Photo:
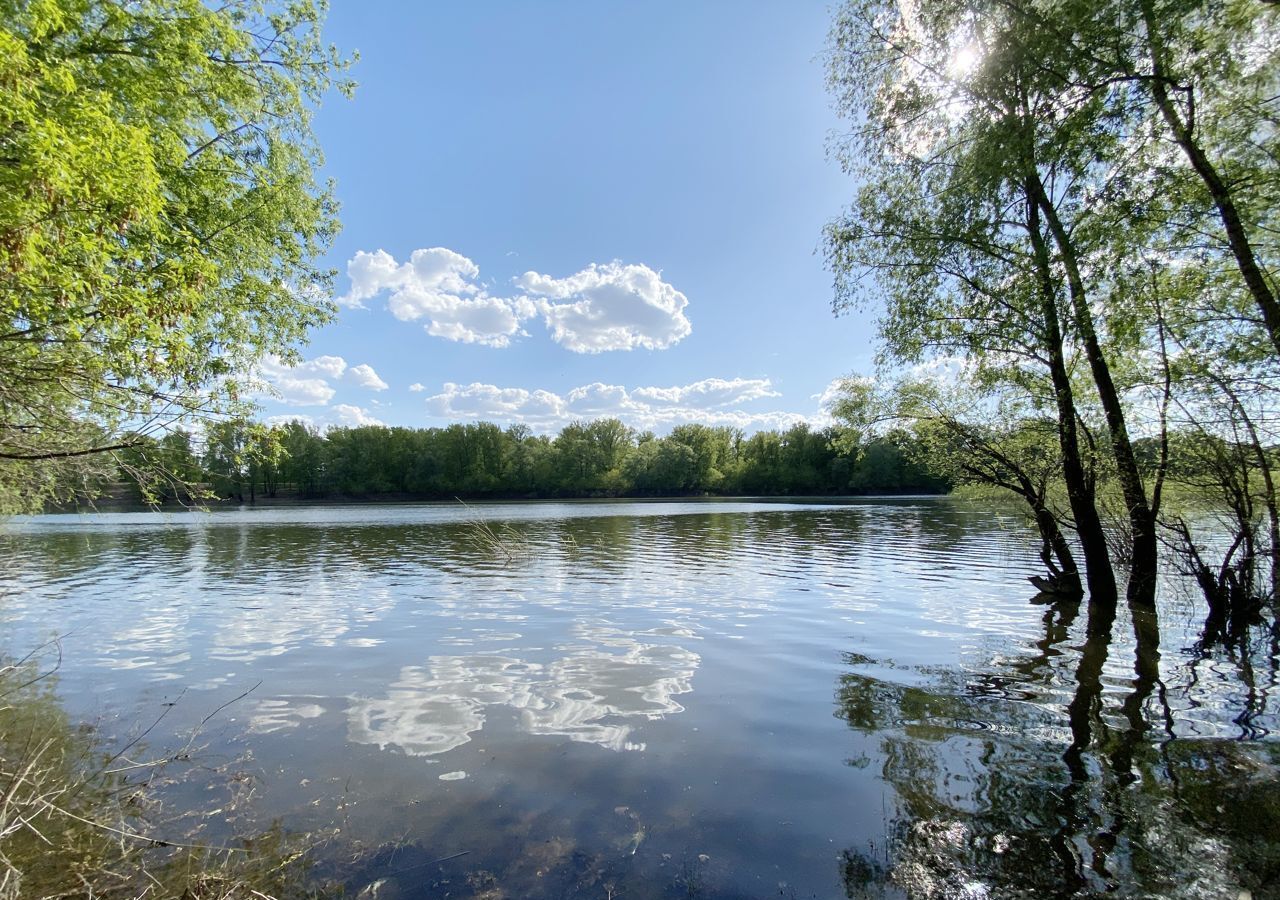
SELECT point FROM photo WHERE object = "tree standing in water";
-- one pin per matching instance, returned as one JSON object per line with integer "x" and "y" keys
{"x": 1038, "y": 186}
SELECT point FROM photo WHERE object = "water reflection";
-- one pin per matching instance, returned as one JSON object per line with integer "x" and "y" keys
{"x": 426, "y": 685}
{"x": 592, "y": 694}
{"x": 1004, "y": 790}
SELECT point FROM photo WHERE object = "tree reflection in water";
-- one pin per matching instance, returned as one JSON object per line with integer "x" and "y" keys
{"x": 1047, "y": 776}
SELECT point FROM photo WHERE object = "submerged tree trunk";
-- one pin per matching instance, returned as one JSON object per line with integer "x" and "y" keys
{"x": 1142, "y": 576}
{"x": 1006, "y": 473}
{"x": 1146, "y": 671}
{"x": 1080, "y": 492}
{"x": 1259, "y": 453}
{"x": 1084, "y": 713}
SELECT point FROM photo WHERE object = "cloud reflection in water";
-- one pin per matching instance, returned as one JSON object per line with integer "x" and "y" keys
{"x": 590, "y": 695}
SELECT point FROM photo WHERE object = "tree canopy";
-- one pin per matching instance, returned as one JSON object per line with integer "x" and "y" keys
{"x": 246, "y": 460}
{"x": 1074, "y": 204}
{"x": 160, "y": 216}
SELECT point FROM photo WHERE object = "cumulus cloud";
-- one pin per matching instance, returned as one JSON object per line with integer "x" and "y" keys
{"x": 710, "y": 392}
{"x": 835, "y": 390}
{"x": 488, "y": 401}
{"x": 364, "y": 376}
{"x": 303, "y": 384}
{"x": 655, "y": 408}
{"x": 610, "y": 306}
{"x": 595, "y": 400}
{"x": 309, "y": 421}
{"x": 340, "y": 415}
{"x": 307, "y": 383}
{"x": 347, "y": 415}
{"x": 369, "y": 274}
{"x": 417, "y": 387}
{"x": 441, "y": 288}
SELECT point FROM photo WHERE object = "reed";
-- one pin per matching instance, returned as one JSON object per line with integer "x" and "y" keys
{"x": 504, "y": 542}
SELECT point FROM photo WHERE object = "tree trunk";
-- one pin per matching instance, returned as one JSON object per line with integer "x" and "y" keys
{"x": 1093, "y": 540}
{"x": 1142, "y": 576}
{"x": 1219, "y": 192}
{"x": 1056, "y": 547}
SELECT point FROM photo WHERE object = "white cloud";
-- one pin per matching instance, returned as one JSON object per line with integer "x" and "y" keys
{"x": 439, "y": 286}
{"x": 331, "y": 366}
{"x": 305, "y": 419}
{"x": 610, "y": 307}
{"x": 351, "y": 416}
{"x": 644, "y": 407}
{"x": 593, "y": 400}
{"x": 340, "y": 415}
{"x": 710, "y": 392}
{"x": 294, "y": 386}
{"x": 364, "y": 376}
{"x": 369, "y": 274}
{"x": 835, "y": 389}
{"x": 417, "y": 387}
{"x": 307, "y": 382}
{"x": 487, "y": 401}
{"x": 303, "y": 391}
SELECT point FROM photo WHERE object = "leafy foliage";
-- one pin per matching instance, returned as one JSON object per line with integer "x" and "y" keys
{"x": 159, "y": 215}
{"x": 602, "y": 458}
{"x": 1072, "y": 205}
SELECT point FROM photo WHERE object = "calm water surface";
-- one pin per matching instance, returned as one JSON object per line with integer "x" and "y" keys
{"x": 715, "y": 699}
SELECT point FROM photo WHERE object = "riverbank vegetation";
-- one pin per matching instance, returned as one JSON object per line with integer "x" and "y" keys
{"x": 601, "y": 458}
{"x": 1067, "y": 218}
{"x": 160, "y": 219}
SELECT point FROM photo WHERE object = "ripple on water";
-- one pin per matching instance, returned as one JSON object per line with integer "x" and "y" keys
{"x": 746, "y": 664}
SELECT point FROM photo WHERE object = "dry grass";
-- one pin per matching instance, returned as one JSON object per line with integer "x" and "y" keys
{"x": 503, "y": 542}
{"x": 79, "y": 821}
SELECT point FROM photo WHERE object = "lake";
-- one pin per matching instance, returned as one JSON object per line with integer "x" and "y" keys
{"x": 667, "y": 699}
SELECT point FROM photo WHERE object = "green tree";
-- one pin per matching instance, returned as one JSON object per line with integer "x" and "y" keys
{"x": 591, "y": 454}
{"x": 303, "y": 464}
{"x": 997, "y": 219}
{"x": 160, "y": 217}
{"x": 712, "y": 451}
{"x": 961, "y": 435}
{"x": 160, "y": 470}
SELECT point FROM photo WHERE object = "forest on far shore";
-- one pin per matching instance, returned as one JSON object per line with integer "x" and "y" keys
{"x": 602, "y": 458}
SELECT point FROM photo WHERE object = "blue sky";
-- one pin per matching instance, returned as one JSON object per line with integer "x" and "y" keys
{"x": 567, "y": 210}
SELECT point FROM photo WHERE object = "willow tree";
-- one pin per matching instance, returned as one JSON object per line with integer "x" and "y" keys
{"x": 1014, "y": 191}
{"x": 1201, "y": 76}
{"x": 966, "y": 433}
{"x": 949, "y": 225}
{"x": 160, "y": 216}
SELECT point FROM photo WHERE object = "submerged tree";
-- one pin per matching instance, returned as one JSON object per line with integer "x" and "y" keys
{"x": 1039, "y": 184}
{"x": 160, "y": 218}
{"x": 966, "y": 436}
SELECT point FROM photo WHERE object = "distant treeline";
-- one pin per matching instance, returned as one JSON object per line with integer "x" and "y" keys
{"x": 602, "y": 458}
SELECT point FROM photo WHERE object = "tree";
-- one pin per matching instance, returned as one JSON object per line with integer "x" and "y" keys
{"x": 161, "y": 470}
{"x": 962, "y": 435}
{"x": 303, "y": 464}
{"x": 591, "y": 454}
{"x": 711, "y": 452}
{"x": 1002, "y": 216}
{"x": 160, "y": 218}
